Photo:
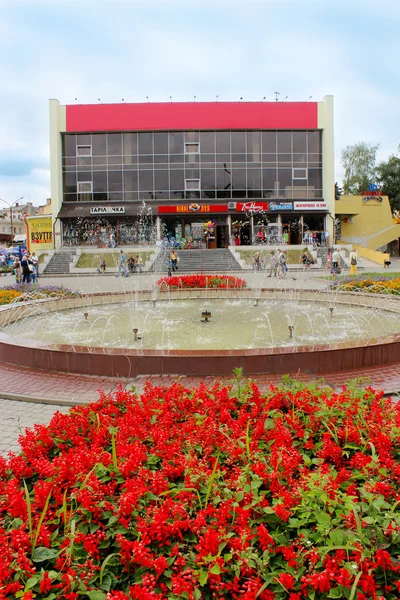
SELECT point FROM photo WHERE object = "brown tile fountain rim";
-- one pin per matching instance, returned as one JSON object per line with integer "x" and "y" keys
{"x": 124, "y": 362}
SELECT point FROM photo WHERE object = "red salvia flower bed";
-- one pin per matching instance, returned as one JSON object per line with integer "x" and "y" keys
{"x": 207, "y": 493}
{"x": 203, "y": 281}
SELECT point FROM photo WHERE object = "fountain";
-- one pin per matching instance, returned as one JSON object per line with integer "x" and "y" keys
{"x": 249, "y": 329}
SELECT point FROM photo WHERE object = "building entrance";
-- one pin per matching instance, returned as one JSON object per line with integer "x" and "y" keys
{"x": 195, "y": 232}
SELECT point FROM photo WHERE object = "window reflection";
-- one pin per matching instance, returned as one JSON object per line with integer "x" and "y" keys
{"x": 154, "y": 165}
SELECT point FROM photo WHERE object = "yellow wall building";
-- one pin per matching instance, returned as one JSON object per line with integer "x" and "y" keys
{"x": 367, "y": 221}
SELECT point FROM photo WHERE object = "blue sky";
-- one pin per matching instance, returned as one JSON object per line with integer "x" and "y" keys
{"x": 184, "y": 48}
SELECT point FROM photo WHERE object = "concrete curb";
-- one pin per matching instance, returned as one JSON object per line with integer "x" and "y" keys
{"x": 38, "y": 400}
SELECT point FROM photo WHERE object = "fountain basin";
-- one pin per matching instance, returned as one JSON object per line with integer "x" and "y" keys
{"x": 133, "y": 361}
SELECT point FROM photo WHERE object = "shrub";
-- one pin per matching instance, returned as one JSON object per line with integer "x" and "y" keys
{"x": 214, "y": 492}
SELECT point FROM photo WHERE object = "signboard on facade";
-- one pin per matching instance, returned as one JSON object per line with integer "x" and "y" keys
{"x": 251, "y": 206}
{"x": 373, "y": 190}
{"x": 280, "y": 206}
{"x": 107, "y": 210}
{"x": 194, "y": 208}
{"x": 40, "y": 233}
{"x": 310, "y": 206}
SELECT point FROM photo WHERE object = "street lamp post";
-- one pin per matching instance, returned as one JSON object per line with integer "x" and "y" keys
{"x": 11, "y": 206}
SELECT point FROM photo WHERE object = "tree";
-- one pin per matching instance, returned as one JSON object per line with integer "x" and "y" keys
{"x": 359, "y": 163}
{"x": 338, "y": 191}
{"x": 388, "y": 175}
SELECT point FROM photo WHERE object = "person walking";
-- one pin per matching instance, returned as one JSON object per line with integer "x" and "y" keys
{"x": 27, "y": 268}
{"x": 257, "y": 262}
{"x": 353, "y": 262}
{"x": 17, "y": 271}
{"x": 122, "y": 265}
{"x": 273, "y": 264}
{"x": 139, "y": 263}
{"x": 335, "y": 261}
{"x": 102, "y": 265}
{"x": 282, "y": 265}
{"x": 306, "y": 260}
{"x": 35, "y": 262}
{"x": 174, "y": 260}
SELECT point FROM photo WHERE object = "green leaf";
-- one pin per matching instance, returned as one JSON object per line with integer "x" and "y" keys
{"x": 227, "y": 557}
{"x": 336, "y": 592}
{"x": 32, "y": 581}
{"x": 337, "y": 537}
{"x": 197, "y": 594}
{"x": 239, "y": 496}
{"x": 215, "y": 570}
{"x": 96, "y": 595}
{"x": 203, "y": 578}
{"x": 41, "y": 554}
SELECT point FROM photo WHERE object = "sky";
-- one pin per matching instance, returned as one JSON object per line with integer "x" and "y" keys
{"x": 133, "y": 49}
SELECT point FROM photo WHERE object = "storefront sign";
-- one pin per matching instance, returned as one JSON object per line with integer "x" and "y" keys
{"x": 106, "y": 210}
{"x": 281, "y": 206}
{"x": 194, "y": 208}
{"x": 310, "y": 206}
{"x": 373, "y": 190}
{"x": 40, "y": 233}
{"x": 251, "y": 206}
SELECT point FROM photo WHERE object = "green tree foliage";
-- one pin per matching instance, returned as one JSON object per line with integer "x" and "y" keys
{"x": 359, "y": 163}
{"x": 388, "y": 176}
{"x": 338, "y": 191}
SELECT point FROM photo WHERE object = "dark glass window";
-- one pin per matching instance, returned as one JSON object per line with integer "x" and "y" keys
{"x": 115, "y": 160}
{"x": 254, "y": 179}
{"x": 315, "y": 178}
{"x": 208, "y": 179}
{"x": 299, "y": 142}
{"x": 269, "y": 142}
{"x": 114, "y": 144}
{"x": 161, "y": 180}
{"x": 239, "y": 179}
{"x": 238, "y": 142}
{"x": 130, "y": 143}
{"x": 253, "y": 146}
{"x": 84, "y": 139}
{"x": 192, "y": 136}
{"x": 130, "y": 181}
{"x": 192, "y": 173}
{"x": 284, "y": 142}
{"x": 100, "y": 181}
{"x": 177, "y": 180}
{"x": 70, "y": 197}
{"x": 300, "y": 160}
{"x": 285, "y": 179}
{"x": 84, "y": 163}
{"x": 160, "y": 161}
{"x": 99, "y": 144}
{"x": 315, "y": 159}
{"x": 84, "y": 176}
{"x": 207, "y": 142}
{"x": 146, "y": 181}
{"x": 269, "y": 178}
{"x": 223, "y": 139}
{"x": 314, "y": 141}
{"x": 176, "y": 143}
{"x": 145, "y": 141}
{"x": 69, "y": 145}
{"x": 224, "y": 180}
{"x": 161, "y": 143}
{"x": 114, "y": 181}
{"x": 70, "y": 182}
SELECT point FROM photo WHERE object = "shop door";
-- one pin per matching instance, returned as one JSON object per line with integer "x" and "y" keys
{"x": 222, "y": 236}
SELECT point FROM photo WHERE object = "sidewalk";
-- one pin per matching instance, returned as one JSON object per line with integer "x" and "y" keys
{"x": 65, "y": 389}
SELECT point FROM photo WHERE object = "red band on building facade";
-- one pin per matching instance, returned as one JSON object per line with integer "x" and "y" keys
{"x": 194, "y": 208}
{"x": 192, "y": 115}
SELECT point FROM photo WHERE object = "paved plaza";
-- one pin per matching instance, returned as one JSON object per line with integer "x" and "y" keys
{"x": 32, "y": 396}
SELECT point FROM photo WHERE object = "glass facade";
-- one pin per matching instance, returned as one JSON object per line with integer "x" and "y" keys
{"x": 176, "y": 165}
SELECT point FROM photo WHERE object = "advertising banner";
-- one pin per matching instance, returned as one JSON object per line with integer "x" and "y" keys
{"x": 310, "y": 206}
{"x": 40, "y": 233}
{"x": 107, "y": 210}
{"x": 194, "y": 208}
{"x": 280, "y": 206}
{"x": 251, "y": 206}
